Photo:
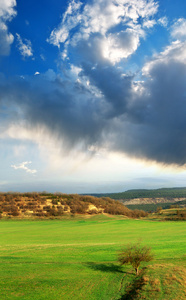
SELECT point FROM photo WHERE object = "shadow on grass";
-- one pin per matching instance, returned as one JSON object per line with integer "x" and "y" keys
{"x": 107, "y": 267}
{"x": 7, "y": 258}
{"x": 134, "y": 289}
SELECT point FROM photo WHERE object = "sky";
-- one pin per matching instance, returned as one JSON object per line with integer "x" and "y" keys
{"x": 92, "y": 95}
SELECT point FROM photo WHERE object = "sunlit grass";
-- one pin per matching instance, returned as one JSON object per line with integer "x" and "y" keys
{"x": 77, "y": 259}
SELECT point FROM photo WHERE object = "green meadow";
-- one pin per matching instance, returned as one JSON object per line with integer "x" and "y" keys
{"x": 76, "y": 258}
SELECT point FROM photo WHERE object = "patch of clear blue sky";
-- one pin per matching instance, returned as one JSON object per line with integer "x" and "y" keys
{"x": 171, "y": 8}
{"x": 34, "y": 21}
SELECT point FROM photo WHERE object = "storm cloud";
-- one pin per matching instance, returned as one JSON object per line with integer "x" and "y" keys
{"x": 93, "y": 101}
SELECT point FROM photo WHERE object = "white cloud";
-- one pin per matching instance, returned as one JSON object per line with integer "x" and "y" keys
{"x": 149, "y": 23}
{"x": 7, "y": 12}
{"x": 179, "y": 29}
{"x": 25, "y": 47}
{"x": 100, "y": 18}
{"x": 36, "y": 73}
{"x": 163, "y": 21}
{"x": 121, "y": 45}
{"x": 74, "y": 70}
{"x": 24, "y": 167}
{"x": 175, "y": 51}
{"x": 70, "y": 20}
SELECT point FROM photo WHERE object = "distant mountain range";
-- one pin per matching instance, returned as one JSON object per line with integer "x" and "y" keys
{"x": 176, "y": 192}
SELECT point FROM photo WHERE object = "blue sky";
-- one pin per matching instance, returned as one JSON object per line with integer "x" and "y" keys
{"x": 92, "y": 95}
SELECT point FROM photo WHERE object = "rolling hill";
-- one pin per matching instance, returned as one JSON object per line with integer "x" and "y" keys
{"x": 44, "y": 205}
{"x": 169, "y": 193}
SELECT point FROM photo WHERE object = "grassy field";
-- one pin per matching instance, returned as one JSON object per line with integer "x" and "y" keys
{"x": 77, "y": 259}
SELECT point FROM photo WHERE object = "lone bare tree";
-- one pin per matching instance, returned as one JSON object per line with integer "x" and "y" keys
{"x": 135, "y": 254}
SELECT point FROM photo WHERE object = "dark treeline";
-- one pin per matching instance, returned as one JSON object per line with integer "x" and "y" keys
{"x": 46, "y": 205}
{"x": 168, "y": 193}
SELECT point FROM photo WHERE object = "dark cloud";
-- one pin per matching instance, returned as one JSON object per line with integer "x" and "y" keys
{"x": 65, "y": 110}
{"x": 115, "y": 87}
{"x": 156, "y": 124}
{"x": 149, "y": 125}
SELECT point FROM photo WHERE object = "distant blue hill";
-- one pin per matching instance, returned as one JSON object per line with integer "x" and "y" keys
{"x": 175, "y": 192}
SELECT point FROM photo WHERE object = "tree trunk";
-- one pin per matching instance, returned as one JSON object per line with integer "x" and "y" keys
{"x": 136, "y": 269}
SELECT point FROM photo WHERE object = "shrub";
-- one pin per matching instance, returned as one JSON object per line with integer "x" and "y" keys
{"x": 54, "y": 201}
{"x": 135, "y": 254}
